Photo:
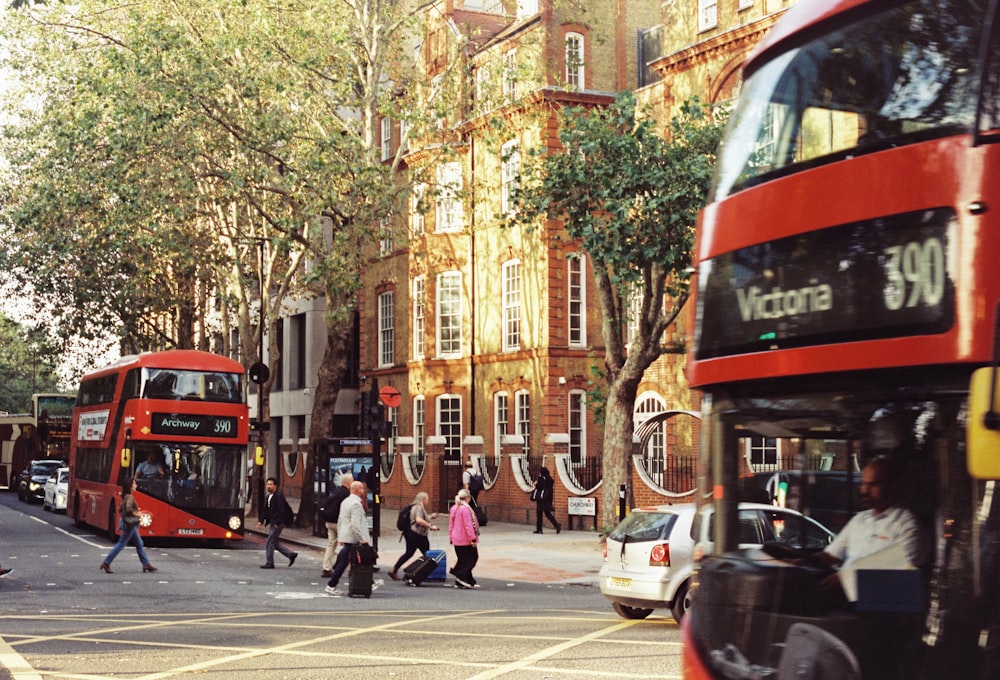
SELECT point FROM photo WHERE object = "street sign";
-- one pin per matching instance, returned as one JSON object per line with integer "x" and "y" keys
{"x": 390, "y": 396}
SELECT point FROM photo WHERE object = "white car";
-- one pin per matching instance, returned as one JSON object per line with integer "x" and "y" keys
{"x": 56, "y": 489}
{"x": 650, "y": 556}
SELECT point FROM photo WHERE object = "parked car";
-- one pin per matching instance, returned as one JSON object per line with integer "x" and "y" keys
{"x": 56, "y": 490}
{"x": 31, "y": 484}
{"x": 650, "y": 556}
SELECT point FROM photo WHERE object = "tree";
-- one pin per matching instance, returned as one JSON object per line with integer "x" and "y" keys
{"x": 27, "y": 366}
{"x": 159, "y": 144}
{"x": 630, "y": 196}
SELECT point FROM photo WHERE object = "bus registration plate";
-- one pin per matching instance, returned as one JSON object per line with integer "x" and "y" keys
{"x": 190, "y": 532}
{"x": 621, "y": 583}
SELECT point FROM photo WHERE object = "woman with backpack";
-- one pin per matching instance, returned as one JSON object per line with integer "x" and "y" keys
{"x": 416, "y": 532}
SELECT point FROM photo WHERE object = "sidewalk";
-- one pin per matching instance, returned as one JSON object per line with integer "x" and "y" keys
{"x": 507, "y": 551}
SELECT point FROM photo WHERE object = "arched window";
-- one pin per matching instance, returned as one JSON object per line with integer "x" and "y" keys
{"x": 501, "y": 420}
{"x": 654, "y": 456}
{"x": 575, "y": 59}
{"x": 577, "y": 427}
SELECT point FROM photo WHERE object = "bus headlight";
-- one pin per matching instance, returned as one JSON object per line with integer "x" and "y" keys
{"x": 145, "y": 519}
{"x": 235, "y": 522}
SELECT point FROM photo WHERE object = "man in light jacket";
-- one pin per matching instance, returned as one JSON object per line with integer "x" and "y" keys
{"x": 463, "y": 531}
{"x": 352, "y": 530}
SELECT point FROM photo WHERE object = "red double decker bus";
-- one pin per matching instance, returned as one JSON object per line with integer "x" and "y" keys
{"x": 848, "y": 280}
{"x": 177, "y": 422}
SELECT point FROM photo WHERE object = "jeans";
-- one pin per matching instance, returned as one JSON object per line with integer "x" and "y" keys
{"x": 343, "y": 559}
{"x": 414, "y": 542}
{"x": 130, "y": 534}
{"x": 273, "y": 534}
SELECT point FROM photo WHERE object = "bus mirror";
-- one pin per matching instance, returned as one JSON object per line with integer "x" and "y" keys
{"x": 126, "y": 457}
{"x": 258, "y": 456}
{"x": 983, "y": 455}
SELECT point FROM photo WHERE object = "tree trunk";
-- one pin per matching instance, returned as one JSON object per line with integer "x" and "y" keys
{"x": 617, "y": 454}
{"x": 331, "y": 377}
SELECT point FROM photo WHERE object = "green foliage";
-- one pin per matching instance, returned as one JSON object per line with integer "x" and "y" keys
{"x": 27, "y": 365}
{"x": 153, "y": 145}
{"x": 629, "y": 195}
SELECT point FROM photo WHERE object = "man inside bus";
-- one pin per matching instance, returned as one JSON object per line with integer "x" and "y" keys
{"x": 151, "y": 468}
{"x": 883, "y": 530}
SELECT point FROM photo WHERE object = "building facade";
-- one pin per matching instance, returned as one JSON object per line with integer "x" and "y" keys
{"x": 491, "y": 333}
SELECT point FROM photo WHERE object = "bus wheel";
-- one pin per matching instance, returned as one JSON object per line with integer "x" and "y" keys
{"x": 77, "y": 517}
{"x": 627, "y": 612}
{"x": 112, "y": 536}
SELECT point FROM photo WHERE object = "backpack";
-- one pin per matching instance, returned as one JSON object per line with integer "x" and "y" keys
{"x": 476, "y": 483}
{"x": 329, "y": 509}
{"x": 403, "y": 521}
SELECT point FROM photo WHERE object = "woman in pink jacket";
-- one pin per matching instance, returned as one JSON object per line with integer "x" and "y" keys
{"x": 463, "y": 531}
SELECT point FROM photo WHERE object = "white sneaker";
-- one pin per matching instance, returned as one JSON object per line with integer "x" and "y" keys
{"x": 463, "y": 584}
{"x": 330, "y": 590}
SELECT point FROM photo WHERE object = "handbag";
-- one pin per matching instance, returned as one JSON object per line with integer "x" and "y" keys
{"x": 364, "y": 554}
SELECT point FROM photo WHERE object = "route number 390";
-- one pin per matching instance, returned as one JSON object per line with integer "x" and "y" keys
{"x": 914, "y": 274}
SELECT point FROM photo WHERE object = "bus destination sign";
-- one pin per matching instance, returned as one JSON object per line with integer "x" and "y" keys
{"x": 876, "y": 279}
{"x": 194, "y": 425}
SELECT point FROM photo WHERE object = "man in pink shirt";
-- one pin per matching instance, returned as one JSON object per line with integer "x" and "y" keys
{"x": 463, "y": 531}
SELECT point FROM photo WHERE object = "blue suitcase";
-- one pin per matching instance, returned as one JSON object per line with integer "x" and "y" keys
{"x": 440, "y": 572}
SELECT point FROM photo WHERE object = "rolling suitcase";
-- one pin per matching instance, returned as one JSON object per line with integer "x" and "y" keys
{"x": 425, "y": 567}
{"x": 359, "y": 580}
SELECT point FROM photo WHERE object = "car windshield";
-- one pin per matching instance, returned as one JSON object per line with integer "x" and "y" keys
{"x": 644, "y": 526}
{"x": 43, "y": 469}
{"x": 900, "y": 76}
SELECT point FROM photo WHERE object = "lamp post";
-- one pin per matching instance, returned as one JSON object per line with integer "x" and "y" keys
{"x": 259, "y": 374}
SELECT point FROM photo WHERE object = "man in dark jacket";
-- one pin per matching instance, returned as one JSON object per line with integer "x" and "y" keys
{"x": 330, "y": 513}
{"x": 274, "y": 511}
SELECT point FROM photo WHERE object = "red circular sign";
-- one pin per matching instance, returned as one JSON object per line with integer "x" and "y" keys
{"x": 390, "y": 396}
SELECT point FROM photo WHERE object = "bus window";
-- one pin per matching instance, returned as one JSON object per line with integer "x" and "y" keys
{"x": 904, "y": 74}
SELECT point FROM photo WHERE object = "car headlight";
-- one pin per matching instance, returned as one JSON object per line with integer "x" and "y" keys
{"x": 34, "y": 486}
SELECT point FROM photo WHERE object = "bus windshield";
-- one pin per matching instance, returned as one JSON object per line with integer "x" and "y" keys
{"x": 903, "y": 75}
{"x": 806, "y": 450}
{"x": 190, "y": 476}
{"x": 172, "y": 383}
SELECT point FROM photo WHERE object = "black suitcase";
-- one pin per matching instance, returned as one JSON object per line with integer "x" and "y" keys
{"x": 359, "y": 580}
{"x": 417, "y": 573}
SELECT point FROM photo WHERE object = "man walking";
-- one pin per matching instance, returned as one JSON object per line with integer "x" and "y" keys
{"x": 330, "y": 512}
{"x": 352, "y": 531}
{"x": 274, "y": 512}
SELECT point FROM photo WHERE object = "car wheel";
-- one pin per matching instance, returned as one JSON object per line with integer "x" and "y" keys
{"x": 682, "y": 602}
{"x": 21, "y": 496}
{"x": 45, "y": 505}
{"x": 627, "y": 612}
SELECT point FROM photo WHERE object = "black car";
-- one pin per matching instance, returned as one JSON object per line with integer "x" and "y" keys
{"x": 31, "y": 485}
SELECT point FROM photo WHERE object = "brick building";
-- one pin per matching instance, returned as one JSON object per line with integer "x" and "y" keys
{"x": 490, "y": 333}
